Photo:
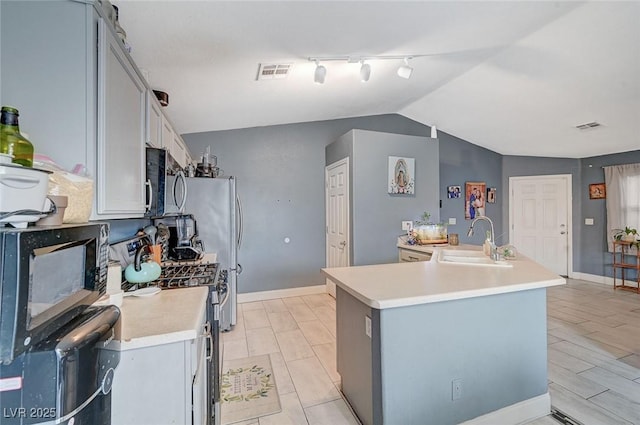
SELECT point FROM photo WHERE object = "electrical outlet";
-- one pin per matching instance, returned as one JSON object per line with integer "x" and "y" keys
{"x": 452, "y": 220}
{"x": 456, "y": 389}
{"x": 407, "y": 225}
{"x": 588, "y": 221}
{"x": 367, "y": 326}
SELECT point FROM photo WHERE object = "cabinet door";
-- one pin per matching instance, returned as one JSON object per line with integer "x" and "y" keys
{"x": 167, "y": 134}
{"x": 179, "y": 150}
{"x": 154, "y": 121}
{"x": 407, "y": 256}
{"x": 121, "y": 131}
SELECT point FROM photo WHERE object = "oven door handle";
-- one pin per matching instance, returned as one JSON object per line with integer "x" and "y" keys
{"x": 226, "y": 297}
{"x": 209, "y": 338}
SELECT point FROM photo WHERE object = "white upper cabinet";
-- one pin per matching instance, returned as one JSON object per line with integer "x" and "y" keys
{"x": 121, "y": 130}
{"x": 82, "y": 99}
{"x": 154, "y": 121}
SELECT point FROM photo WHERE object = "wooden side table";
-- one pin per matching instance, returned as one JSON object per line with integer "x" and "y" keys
{"x": 620, "y": 250}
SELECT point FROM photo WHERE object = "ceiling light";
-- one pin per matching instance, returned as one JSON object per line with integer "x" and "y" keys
{"x": 365, "y": 72}
{"x": 405, "y": 70}
{"x": 320, "y": 74}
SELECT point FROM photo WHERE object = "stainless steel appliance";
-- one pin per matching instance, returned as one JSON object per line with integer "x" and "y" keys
{"x": 184, "y": 242}
{"x": 215, "y": 205}
{"x": 49, "y": 275}
{"x": 66, "y": 378}
{"x": 162, "y": 190}
{"x": 185, "y": 274}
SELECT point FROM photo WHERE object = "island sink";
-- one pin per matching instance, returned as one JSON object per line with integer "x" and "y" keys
{"x": 469, "y": 257}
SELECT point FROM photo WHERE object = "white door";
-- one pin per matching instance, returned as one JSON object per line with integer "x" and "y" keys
{"x": 337, "y": 216}
{"x": 540, "y": 219}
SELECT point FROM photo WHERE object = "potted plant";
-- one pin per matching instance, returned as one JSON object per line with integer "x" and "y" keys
{"x": 426, "y": 232}
{"x": 628, "y": 234}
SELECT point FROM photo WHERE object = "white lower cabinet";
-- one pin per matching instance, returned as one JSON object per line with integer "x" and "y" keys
{"x": 407, "y": 255}
{"x": 162, "y": 384}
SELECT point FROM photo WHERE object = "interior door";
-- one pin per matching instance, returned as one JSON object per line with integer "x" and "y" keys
{"x": 337, "y": 217}
{"x": 540, "y": 217}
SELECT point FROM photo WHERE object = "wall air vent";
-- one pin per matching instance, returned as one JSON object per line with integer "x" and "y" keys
{"x": 588, "y": 126}
{"x": 274, "y": 71}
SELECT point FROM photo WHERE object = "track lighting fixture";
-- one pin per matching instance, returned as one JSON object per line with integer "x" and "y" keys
{"x": 405, "y": 70}
{"x": 320, "y": 74}
{"x": 365, "y": 72}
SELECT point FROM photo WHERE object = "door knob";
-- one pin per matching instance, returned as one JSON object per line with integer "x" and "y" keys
{"x": 562, "y": 233}
{"x": 343, "y": 244}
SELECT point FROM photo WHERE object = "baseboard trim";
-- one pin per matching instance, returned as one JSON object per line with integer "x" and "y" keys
{"x": 281, "y": 293}
{"x": 518, "y": 413}
{"x": 604, "y": 280}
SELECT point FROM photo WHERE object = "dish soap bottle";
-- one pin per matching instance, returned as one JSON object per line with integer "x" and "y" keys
{"x": 11, "y": 141}
{"x": 486, "y": 246}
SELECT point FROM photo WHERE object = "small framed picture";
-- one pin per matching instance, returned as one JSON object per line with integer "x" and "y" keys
{"x": 453, "y": 192}
{"x": 491, "y": 195}
{"x": 597, "y": 191}
{"x": 475, "y": 197}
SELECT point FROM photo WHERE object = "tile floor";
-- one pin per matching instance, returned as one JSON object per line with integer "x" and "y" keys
{"x": 594, "y": 355}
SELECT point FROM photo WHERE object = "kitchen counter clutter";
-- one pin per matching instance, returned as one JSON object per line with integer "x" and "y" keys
{"x": 437, "y": 322}
{"x": 166, "y": 317}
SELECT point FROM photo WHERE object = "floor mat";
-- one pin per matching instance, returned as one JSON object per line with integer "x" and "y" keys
{"x": 248, "y": 389}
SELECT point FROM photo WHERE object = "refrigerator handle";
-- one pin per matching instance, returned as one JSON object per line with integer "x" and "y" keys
{"x": 240, "y": 219}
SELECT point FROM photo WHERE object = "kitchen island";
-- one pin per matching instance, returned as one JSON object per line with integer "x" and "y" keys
{"x": 443, "y": 343}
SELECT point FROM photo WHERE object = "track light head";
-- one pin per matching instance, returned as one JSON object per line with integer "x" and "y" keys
{"x": 405, "y": 70}
{"x": 320, "y": 74}
{"x": 365, "y": 72}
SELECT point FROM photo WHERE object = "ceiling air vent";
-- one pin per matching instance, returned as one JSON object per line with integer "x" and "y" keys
{"x": 588, "y": 126}
{"x": 274, "y": 71}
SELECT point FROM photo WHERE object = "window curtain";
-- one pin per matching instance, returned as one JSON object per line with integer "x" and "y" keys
{"x": 623, "y": 198}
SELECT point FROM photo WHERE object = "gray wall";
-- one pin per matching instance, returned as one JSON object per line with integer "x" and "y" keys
{"x": 461, "y": 161}
{"x": 594, "y": 258}
{"x": 589, "y": 242}
{"x": 376, "y": 217}
{"x": 280, "y": 172}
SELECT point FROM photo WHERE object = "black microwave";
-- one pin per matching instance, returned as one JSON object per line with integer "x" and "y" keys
{"x": 48, "y": 276}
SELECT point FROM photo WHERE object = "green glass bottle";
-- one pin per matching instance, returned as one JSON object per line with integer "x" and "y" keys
{"x": 11, "y": 141}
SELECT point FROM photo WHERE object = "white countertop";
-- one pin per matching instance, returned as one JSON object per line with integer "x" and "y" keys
{"x": 169, "y": 316}
{"x": 402, "y": 243}
{"x": 403, "y": 284}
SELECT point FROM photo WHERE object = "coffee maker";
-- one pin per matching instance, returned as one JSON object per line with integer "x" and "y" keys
{"x": 184, "y": 244}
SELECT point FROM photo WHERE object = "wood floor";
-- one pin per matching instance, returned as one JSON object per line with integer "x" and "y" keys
{"x": 594, "y": 355}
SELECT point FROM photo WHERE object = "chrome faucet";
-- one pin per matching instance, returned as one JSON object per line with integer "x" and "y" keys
{"x": 494, "y": 250}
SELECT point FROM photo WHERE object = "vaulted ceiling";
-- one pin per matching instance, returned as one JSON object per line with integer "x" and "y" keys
{"x": 515, "y": 77}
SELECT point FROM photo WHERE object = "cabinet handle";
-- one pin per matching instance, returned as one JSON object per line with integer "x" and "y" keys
{"x": 150, "y": 193}
{"x": 414, "y": 258}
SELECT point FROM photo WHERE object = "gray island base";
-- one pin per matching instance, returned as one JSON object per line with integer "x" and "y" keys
{"x": 427, "y": 357}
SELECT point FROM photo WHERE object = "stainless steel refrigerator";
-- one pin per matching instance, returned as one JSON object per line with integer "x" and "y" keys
{"x": 215, "y": 204}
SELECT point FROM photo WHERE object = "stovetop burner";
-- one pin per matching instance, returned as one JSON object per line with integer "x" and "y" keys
{"x": 182, "y": 274}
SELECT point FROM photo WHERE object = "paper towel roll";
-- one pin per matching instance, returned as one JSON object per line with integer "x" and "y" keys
{"x": 114, "y": 278}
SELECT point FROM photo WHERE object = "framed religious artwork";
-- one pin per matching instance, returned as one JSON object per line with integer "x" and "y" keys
{"x": 401, "y": 175}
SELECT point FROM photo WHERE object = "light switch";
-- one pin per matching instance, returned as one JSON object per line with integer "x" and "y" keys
{"x": 452, "y": 220}
{"x": 588, "y": 221}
